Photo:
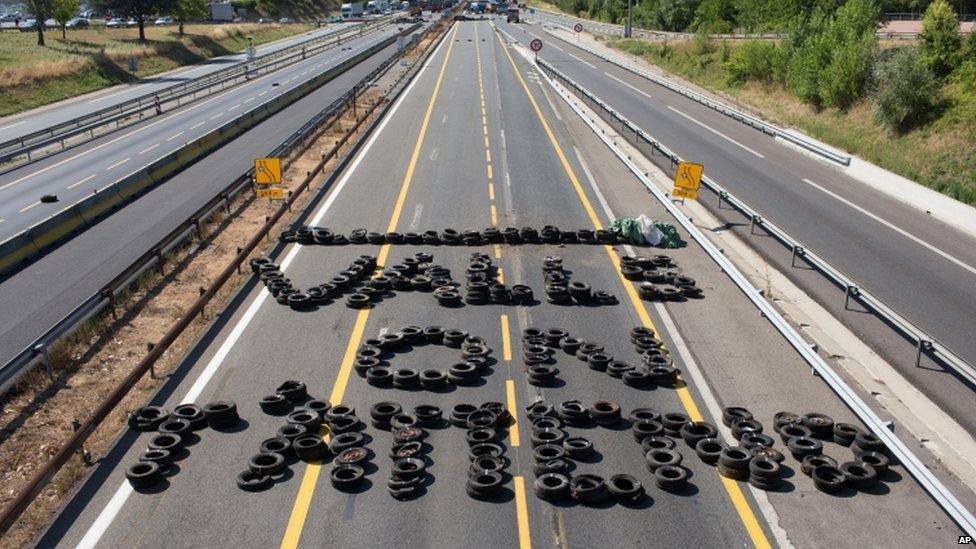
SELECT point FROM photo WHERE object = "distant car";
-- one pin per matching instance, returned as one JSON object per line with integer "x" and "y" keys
{"x": 265, "y": 21}
{"x": 115, "y": 23}
{"x": 130, "y": 22}
{"x": 163, "y": 21}
{"x": 9, "y": 17}
{"x": 335, "y": 19}
{"x": 285, "y": 20}
{"x": 27, "y": 25}
{"x": 77, "y": 23}
{"x": 50, "y": 24}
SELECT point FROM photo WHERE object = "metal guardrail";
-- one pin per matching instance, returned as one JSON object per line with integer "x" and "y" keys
{"x": 75, "y": 443}
{"x": 936, "y": 490}
{"x": 37, "y": 352}
{"x": 142, "y": 107}
{"x": 925, "y": 344}
{"x": 731, "y": 112}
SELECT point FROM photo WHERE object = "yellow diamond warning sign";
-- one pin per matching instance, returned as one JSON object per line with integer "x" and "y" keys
{"x": 687, "y": 180}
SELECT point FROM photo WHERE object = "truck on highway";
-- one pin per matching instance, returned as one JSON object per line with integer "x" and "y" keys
{"x": 352, "y": 10}
{"x": 512, "y": 15}
{"x": 375, "y": 7}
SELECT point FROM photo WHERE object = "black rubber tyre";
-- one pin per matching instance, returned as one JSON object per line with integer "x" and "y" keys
{"x": 693, "y": 431}
{"x": 646, "y": 428}
{"x": 820, "y": 425}
{"x": 859, "y": 475}
{"x": 657, "y": 443}
{"x": 306, "y": 418}
{"x": 406, "y": 378}
{"x": 432, "y": 380}
{"x": 845, "y": 433}
{"x": 750, "y": 441}
{"x": 673, "y": 422}
{"x": 191, "y": 413}
{"x": 578, "y": 447}
{"x": 865, "y": 441}
{"x": 144, "y": 474}
{"x": 763, "y": 467}
{"x": 547, "y": 436}
{"x": 734, "y": 474}
{"x": 801, "y": 447}
{"x": 165, "y": 441}
{"x": 250, "y": 481}
{"x": 639, "y": 414}
{"x": 766, "y": 483}
{"x": 828, "y": 479}
{"x": 560, "y": 466}
{"x": 548, "y": 452}
{"x": 661, "y": 458}
{"x": 278, "y": 445}
{"x": 382, "y": 412}
{"x": 671, "y": 478}
{"x": 485, "y": 449}
{"x": 813, "y": 461}
{"x": 605, "y": 412}
{"x": 408, "y": 434}
{"x": 733, "y": 413}
{"x": 486, "y": 463}
{"x": 344, "y": 424}
{"x": 484, "y": 486}
{"x": 267, "y": 463}
{"x": 481, "y": 418}
{"x": 709, "y": 450}
{"x": 742, "y": 426}
{"x": 428, "y": 415}
{"x": 292, "y": 431}
{"x": 879, "y": 461}
{"x": 735, "y": 457}
{"x": 551, "y": 487}
{"x": 379, "y": 377}
{"x": 162, "y": 457}
{"x": 413, "y": 448}
{"x": 769, "y": 452}
{"x": 221, "y": 414}
{"x": 310, "y": 448}
{"x": 589, "y": 489}
{"x": 782, "y": 419}
{"x": 409, "y": 467}
{"x": 546, "y": 422}
{"x": 573, "y": 412}
{"x": 342, "y": 441}
{"x": 295, "y": 391}
{"x": 625, "y": 488}
{"x": 175, "y": 426}
{"x": 793, "y": 430}
{"x": 346, "y": 477}
{"x": 276, "y": 405}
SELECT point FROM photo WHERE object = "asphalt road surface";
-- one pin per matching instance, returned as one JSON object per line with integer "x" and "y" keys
{"x": 475, "y": 141}
{"x": 921, "y": 267}
{"x": 14, "y": 126}
{"x": 76, "y": 173}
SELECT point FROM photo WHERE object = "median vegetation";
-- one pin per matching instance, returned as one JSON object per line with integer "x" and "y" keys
{"x": 909, "y": 107}
{"x": 91, "y": 59}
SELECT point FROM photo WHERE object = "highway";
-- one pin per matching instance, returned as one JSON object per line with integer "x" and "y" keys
{"x": 476, "y": 141}
{"x": 14, "y": 126}
{"x": 921, "y": 267}
{"x": 76, "y": 173}
{"x": 40, "y": 294}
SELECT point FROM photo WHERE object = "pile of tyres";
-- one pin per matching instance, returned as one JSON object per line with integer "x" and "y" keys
{"x": 303, "y": 437}
{"x": 373, "y": 353}
{"x": 408, "y": 475}
{"x": 453, "y": 237}
{"x": 486, "y": 426}
{"x": 662, "y": 280}
{"x": 554, "y": 450}
{"x": 560, "y": 290}
{"x": 174, "y": 433}
{"x": 354, "y": 281}
{"x": 539, "y": 351}
{"x": 482, "y": 287}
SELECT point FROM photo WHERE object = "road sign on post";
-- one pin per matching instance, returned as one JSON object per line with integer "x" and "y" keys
{"x": 271, "y": 192}
{"x": 578, "y": 27}
{"x": 536, "y": 45}
{"x": 267, "y": 171}
{"x": 687, "y": 180}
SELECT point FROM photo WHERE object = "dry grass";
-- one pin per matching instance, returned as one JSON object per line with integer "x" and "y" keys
{"x": 91, "y": 59}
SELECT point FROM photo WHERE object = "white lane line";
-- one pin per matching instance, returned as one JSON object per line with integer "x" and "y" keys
{"x": 549, "y": 100}
{"x": 14, "y": 125}
{"x": 120, "y": 92}
{"x": 580, "y": 60}
{"x": 551, "y": 45}
{"x": 262, "y": 93}
{"x": 89, "y": 178}
{"x": 149, "y": 148}
{"x": 716, "y": 132}
{"x": 119, "y": 163}
{"x": 249, "y": 99}
{"x": 216, "y": 116}
{"x": 24, "y": 209}
{"x": 2, "y": 220}
{"x": 638, "y": 90}
{"x": 237, "y": 106}
{"x": 174, "y": 136}
{"x": 114, "y": 506}
{"x": 894, "y": 227}
{"x": 195, "y": 126}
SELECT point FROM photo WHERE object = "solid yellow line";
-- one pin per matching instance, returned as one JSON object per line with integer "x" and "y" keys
{"x": 494, "y": 215}
{"x": 525, "y": 541}
{"x": 513, "y": 432}
{"x": 299, "y": 512}
{"x": 491, "y": 186}
{"x": 506, "y": 339}
{"x": 742, "y": 507}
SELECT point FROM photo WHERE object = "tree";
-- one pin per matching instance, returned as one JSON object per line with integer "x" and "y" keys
{"x": 41, "y": 10}
{"x": 853, "y": 43}
{"x": 187, "y": 10}
{"x": 64, "y": 11}
{"x": 715, "y": 16}
{"x": 674, "y": 15}
{"x": 140, "y": 10}
{"x": 904, "y": 90}
{"x": 939, "y": 40}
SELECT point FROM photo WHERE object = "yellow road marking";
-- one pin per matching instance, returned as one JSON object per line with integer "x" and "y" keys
{"x": 521, "y": 510}
{"x": 492, "y": 192}
{"x": 498, "y": 251}
{"x": 488, "y": 155}
{"x": 491, "y": 186}
{"x": 501, "y": 275}
{"x": 506, "y": 339}
{"x": 494, "y": 215}
{"x": 303, "y": 500}
{"x": 746, "y": 515}
{"x": 513, "y": 432}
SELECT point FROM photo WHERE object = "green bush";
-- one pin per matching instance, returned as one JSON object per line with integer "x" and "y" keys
{"x": 939, "y": 41}
{"x": 753, "y": 60}
{"x": 904, "y": 90}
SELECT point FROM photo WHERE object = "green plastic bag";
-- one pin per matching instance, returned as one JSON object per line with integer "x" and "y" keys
{"x": 671, "y": 238}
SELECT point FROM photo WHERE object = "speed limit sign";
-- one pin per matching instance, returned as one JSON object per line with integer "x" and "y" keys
{"x": 578, "y": 27}
{"x": 536, "y": 45}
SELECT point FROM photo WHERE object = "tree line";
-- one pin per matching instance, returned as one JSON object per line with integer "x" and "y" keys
{"x": 62, "y": 11}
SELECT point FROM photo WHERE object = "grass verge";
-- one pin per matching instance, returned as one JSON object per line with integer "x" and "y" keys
{"x": 92, "y": 59}
{"x": 941, "y": 154}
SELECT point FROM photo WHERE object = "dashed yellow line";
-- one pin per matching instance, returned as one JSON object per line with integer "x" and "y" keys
{"x": 739, "y": 502}
{"x": 494, "y": 214}
{"x": 501, "y": 275}
{"x": 491, "y": 186}
{"x": 513, "y": 432}
{"x": 488, "y": 155}
{"x": 299, "y": 513}
{"x": 491, "y": 189}
{"x": 506, "y": 339}
{"x": 522, "y": 512}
